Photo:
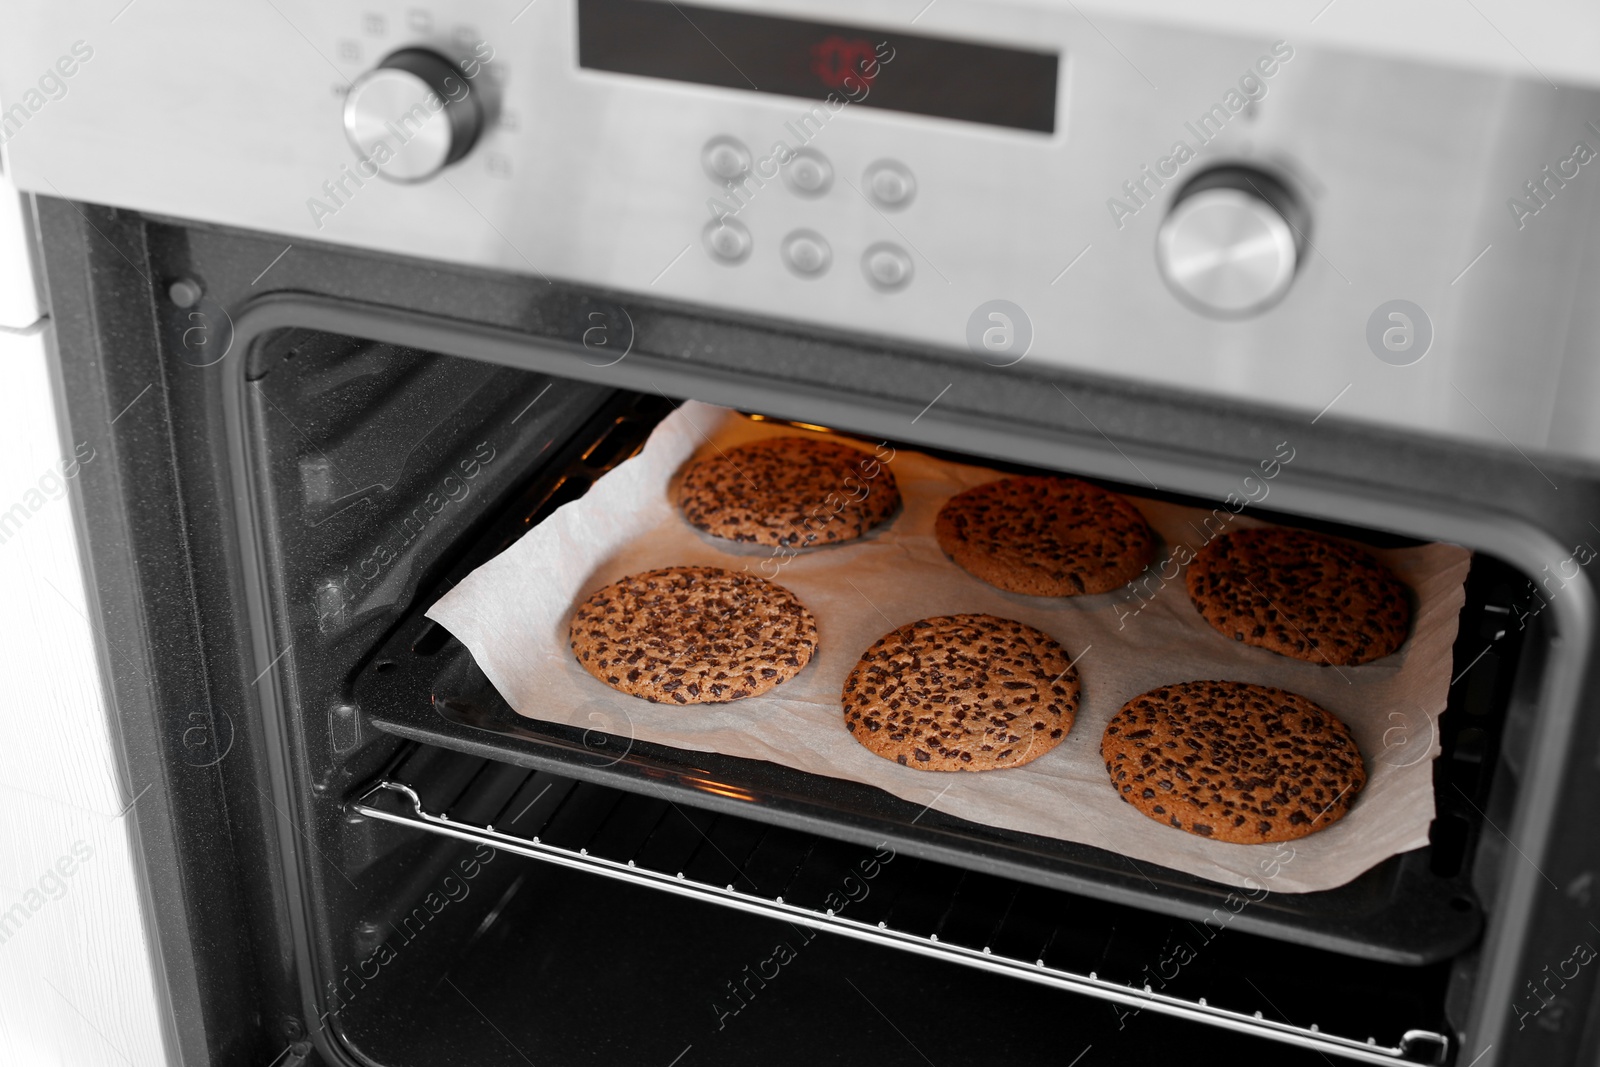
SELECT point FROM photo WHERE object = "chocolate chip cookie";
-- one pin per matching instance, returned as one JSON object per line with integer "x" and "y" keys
{"x": 1300, "y": 595}
{"x": 962, "y": 693}
{"x": 790, "y": 492}
{"x": 1046, "y": 536}
{"x": 1232, "y": 761}
{"x": 693, "y": 635}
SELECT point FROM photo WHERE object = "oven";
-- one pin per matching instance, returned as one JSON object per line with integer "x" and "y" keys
{"x": 326, "y": 386}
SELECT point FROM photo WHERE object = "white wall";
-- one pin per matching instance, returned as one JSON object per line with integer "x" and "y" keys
{"x": 76, "y": 987}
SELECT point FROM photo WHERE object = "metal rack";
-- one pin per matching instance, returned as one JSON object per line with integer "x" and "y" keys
{"x": 787, "y": 875}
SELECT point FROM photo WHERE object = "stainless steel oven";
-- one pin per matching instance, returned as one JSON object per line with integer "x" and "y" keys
{"x": 350, "y": 297}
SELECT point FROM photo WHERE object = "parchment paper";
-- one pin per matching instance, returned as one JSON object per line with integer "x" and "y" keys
{"x": 513, "y": 612}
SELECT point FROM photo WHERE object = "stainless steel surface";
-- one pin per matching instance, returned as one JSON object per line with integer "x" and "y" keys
{"x": 1417, "y": 1046}
{"x": 1409, "y": 172}
{"x": 1227, "y": 251}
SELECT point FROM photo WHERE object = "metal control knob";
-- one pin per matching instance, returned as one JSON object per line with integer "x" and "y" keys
{"x": 1231, "y": 243}
{"x": 413, "y": 115}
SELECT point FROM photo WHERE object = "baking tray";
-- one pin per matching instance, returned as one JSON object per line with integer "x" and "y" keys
{"x": 1417, "y": 907}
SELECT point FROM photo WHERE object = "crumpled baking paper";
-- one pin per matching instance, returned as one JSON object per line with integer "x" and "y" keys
{"x": 512, "y": 613}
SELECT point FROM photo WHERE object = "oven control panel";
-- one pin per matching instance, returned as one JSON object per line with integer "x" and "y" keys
{"x": 1232, "y": 216}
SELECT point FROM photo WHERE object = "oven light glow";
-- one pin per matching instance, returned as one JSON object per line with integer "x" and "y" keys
{"x": 757, "y": 417}
{"x": 718, "y": 789}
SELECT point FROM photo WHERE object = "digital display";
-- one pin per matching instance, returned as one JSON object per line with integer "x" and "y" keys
{"x": 817, "y": 60}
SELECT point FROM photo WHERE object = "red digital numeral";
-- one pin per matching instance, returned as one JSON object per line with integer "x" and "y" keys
{"x": 835, "y": 58}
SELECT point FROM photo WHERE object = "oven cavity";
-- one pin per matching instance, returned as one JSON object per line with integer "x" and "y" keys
{"x": 471, "y": 859}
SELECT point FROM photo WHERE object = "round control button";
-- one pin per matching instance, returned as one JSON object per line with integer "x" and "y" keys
{"x": 412, "y": 116}
{"x": 890, "y": 184}
{"x": 887, "y": 266}
{"x": 725, "y": 158}
{"x": 809, "y": 173}
{"x": 807, "y": 253}
{"x": 1230, "y": 245}
{"x": 727, "y": 240}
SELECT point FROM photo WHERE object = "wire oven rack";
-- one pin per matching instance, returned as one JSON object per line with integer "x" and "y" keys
{"x": 930, "y": 909}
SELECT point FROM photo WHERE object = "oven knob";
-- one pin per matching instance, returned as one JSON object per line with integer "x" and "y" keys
{"x": 412, "y": 116}
{"x": 1230, "y": 244}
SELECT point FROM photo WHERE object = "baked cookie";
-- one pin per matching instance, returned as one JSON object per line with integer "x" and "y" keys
{"x": 693, "y": 635}
{"x": 788, "y": 492}
{"x": 1046, "y": 536}
{"x": 962, "y": 693}
{"x": 1300, "y": 595}
{"x": 1232, "y": 761}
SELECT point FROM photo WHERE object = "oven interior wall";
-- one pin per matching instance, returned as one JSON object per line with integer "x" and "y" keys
{"x": 381, "y": 461}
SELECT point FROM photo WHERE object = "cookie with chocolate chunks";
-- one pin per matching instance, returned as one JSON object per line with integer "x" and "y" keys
{"x": 962, "y": 693}
{"x": 1046, "y": 536}
{"x": 1300, "y": 595}
{"x": 693, "y": 635}
{"x": 1233, "y": 761}
{"x": 789, "y": 492}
